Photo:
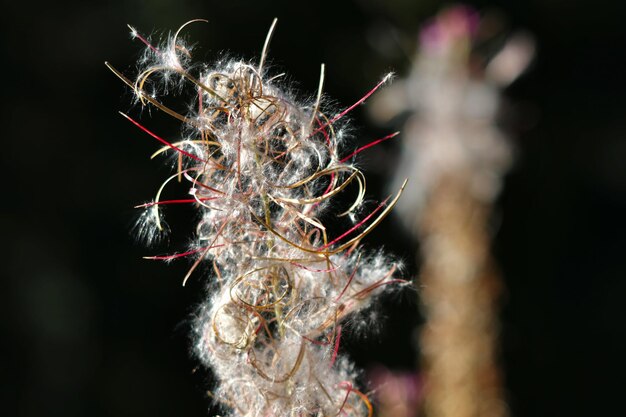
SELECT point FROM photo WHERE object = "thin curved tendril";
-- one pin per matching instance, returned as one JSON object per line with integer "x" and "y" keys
{"x": 143, "y": 95}
{"x": 318, "y": 99}
{"x": 375, "y": 223}
{"x": 266, "y": 45}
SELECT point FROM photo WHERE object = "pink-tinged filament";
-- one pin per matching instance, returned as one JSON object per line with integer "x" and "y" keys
{"x": 306, "y": 268}
{"x": 349, "y": 281}
{"x": 181, "y": 255}
{"x": 352, "y": 107}
{"x": 160, "y": 139}
{"x": 356, "y": 226}
{"x": 184, "y": 201}
{"x": 336, "y": 347}
{"x": 143, "y": 40}
{"x": 369, "y": 145}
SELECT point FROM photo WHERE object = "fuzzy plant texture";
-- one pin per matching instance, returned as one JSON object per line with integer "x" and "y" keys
{"x": 263, "y": 171}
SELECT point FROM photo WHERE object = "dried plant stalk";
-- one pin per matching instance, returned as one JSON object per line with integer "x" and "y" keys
{"x": 460, "y": 289}
{"x": 455, "y": 157}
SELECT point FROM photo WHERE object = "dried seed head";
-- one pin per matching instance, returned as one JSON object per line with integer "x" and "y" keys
{"x": 262, "y": 168}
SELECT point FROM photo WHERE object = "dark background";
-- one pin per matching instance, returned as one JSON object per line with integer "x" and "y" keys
{"x": 91, "y": 329}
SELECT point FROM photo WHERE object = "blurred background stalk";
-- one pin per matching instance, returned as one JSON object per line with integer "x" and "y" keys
{"x": 455, "y": 156}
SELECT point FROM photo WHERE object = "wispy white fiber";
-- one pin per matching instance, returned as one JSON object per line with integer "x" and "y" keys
{"x": 263, "y": 170}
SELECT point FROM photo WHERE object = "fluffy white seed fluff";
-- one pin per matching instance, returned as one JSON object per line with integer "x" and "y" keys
{"x": 262, "y": 168}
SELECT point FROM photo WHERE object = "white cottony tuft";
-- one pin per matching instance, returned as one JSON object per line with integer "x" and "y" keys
{"x": 262, "y": 169}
